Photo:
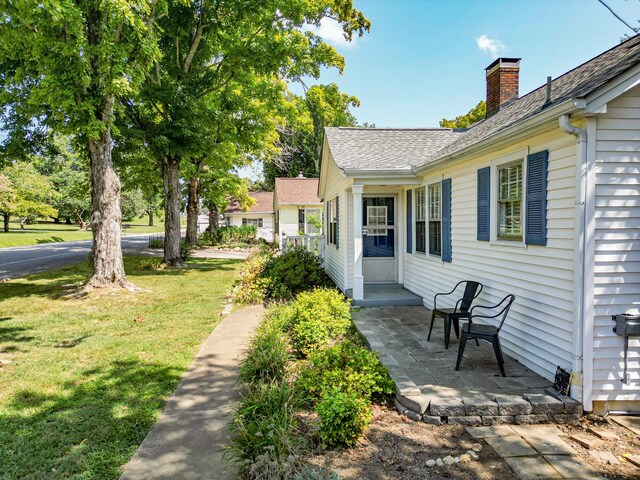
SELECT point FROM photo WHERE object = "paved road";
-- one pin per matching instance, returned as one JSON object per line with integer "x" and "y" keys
{"x": 21, "y": 261}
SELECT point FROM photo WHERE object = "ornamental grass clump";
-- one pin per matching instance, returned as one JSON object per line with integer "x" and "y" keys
{"x": 269, "y": 354}
{"x": 264, "y": 441}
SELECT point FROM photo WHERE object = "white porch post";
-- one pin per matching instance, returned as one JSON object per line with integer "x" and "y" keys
{"x": 358, "y": 279}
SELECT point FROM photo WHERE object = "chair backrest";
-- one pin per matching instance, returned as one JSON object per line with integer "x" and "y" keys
{"x": 501, "y": 310}
{"x": 471, "y": 291}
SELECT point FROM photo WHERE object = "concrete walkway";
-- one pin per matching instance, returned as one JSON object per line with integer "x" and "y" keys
{"x": 185, "y": 443}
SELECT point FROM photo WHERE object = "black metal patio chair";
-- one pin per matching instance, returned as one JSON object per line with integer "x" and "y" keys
{"x": 479, "y": 331}
{"x": 461, "y": 310}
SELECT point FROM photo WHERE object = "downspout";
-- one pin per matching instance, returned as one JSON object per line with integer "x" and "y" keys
{"x": 581, "y": 377}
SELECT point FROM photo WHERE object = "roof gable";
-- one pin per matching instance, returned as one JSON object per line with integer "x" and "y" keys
{"x": 297, "y": 191}
{"x": 264, "y": 204}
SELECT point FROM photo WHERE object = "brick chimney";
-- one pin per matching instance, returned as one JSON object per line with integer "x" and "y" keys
{"x": 503, "y": 77}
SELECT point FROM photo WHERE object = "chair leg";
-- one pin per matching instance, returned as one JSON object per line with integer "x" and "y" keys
{"x": 433, "y": 317}
{"x": 495, "y": 341}
{"x": 477, "y": 342}
{"x": 463, "y": 342}
{"x": 447, "y": 330}
{"x": 456, "y": 327}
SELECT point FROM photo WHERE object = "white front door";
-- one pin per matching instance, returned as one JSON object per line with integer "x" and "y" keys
{"x": 379, "y": 263}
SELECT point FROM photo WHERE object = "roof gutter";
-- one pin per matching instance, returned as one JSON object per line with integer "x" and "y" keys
{"x": 365, "y": 173}
{"x": 505, "y": 135}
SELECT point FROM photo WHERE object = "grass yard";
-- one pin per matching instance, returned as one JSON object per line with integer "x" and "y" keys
{"x": 50, "y": 232}
{"x": 84, "y": 380}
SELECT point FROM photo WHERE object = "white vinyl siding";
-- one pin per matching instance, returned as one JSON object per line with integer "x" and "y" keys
{"x": 337, "y": 185}
{"x": 539, "y": 329}
{"x": 617, "y": 245}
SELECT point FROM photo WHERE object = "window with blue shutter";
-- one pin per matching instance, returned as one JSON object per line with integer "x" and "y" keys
{"x": 446, "y": 220}
{"x": 536, "y": 198}
{"x": 409, "y": 222}
{"x": 484, "y": 206}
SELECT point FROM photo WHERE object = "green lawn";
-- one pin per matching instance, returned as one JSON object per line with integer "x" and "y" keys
{"x": 49, "y": 232}
{"x": 83, "y": 380}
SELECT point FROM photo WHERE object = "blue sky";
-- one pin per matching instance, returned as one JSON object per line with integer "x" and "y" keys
{"x": 425, "y": 59}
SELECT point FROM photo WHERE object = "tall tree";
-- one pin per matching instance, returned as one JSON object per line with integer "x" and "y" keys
{"x": 213, "y": 49}
{"x": 302, "y": 133}
{"x": 28, "y": 194}
{"x": 67, "y": 63}
{"x": 474, "y": 115}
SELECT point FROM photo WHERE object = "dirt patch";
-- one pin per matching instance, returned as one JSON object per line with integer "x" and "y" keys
{"x": 394, "y": 447}
{"x": 397, "y": 448}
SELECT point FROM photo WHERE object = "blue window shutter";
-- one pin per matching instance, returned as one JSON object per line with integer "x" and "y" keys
{"x": 446, "y": 220}
{"x": 536, "y": 208}
{"x": 484, "y": 204}
{"x": 409, "y": 209}
{"x": 338, "y": 222}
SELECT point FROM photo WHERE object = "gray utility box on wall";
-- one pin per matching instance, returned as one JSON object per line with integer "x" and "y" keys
{"x": 627, "y": 325}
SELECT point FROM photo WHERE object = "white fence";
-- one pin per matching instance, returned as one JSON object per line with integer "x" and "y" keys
{"x": 311, "y": 243}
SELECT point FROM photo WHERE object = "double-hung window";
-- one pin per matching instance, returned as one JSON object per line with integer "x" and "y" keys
{"x": 421, "y": 237}
{"x": 332, "y": 222}
{"x": 256, "y": 222}
{"x": 510, "y": 201}
{"x": 309, "y": 221}
{"x": 435, "y": 219}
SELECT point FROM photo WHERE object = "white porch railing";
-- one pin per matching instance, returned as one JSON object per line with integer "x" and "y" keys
{"x": 311, "y": 243}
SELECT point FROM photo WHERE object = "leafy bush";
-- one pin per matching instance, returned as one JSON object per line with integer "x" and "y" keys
{"x": 156, "y": 243}
{"x": 316, "y": 318}
{"x": 295, "y": 271}
{"x": 185, "y": 250}
{"x": 347, "y": 367}
{"x": 250, "y": 287}
{"x": 263, "y": 442}
{"x": 343, "y": 418}
{"x": 268, "y": 355}
{"x": 226, "y": 235}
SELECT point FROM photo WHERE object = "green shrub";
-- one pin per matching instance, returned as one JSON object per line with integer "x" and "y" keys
{"x": 268, "y": 356}
{"x": 151, "y": 264}
{"x": 226, "y": 235}
{"x": 250, "y": 287}
{"x": 185, "y": 250}
{"x": 317, "y": 318}
{"x": 347, "y": 367}
{"x": 343, "y": 418}
{"x": 294, "y": 271}
{"x": 263, "y": 441}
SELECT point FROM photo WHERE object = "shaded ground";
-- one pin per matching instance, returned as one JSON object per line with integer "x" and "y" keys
{"x": 397, "y": 448}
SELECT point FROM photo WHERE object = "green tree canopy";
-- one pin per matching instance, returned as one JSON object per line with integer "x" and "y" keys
{"x": 477, "y": 113}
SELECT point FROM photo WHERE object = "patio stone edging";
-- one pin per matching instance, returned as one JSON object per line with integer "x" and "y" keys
{"x": 501, "y": 410}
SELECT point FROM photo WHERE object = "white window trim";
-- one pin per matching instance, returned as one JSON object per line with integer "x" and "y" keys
{"x": 428, "y": 205}
{"x": 422, "y": 187}
{"x": 518, "y": 155}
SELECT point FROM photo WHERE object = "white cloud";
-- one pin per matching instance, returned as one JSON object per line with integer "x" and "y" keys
{"x": 331, "y": 32}
{"x": 491, "y": 46}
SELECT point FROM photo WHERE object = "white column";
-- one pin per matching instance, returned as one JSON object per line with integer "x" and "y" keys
{"x": 358, "y": 279}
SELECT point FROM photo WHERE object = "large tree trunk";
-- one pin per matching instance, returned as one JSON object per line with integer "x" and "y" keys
{"x": 193, "y": 208}
{"x": 108, "y": 267}
{"x": 171, "y": 178}
{"x": 213, "y": 218}
{"x": 150, "y": 214}
{"x": 6, "y": 222}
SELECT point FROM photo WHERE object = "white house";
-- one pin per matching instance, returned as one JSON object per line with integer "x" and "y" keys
{"x": 541, "y": 200}
{"x": 259, "y": 215}
{"x": 298, "y": 210}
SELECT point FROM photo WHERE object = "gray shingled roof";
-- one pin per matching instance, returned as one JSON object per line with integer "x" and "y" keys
{"x": 385, "y": 148}
{"x": 388, "y": 148}
{"x": 576, "y": 83}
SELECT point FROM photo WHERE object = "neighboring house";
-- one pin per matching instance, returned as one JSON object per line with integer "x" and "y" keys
{"x": 259, "y": 215}
{"x": 297, "y": 207}
{"x": 541, "y": 199}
